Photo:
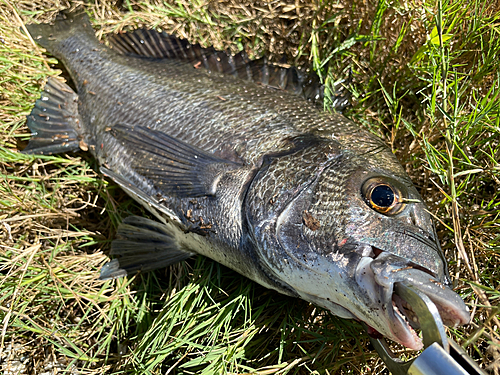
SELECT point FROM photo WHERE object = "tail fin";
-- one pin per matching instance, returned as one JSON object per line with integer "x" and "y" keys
{"x": 65, "y": 26}
{"x": 54, "y": 121}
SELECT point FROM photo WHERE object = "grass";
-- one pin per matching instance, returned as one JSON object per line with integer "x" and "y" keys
{"x": 425, "y": 77}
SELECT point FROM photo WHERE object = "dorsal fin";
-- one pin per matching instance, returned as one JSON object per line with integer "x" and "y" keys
{"x": 281, "y": 76}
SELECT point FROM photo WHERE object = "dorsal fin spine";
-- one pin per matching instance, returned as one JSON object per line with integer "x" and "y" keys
{"x": 164, "y": 48}
{"x": 156, "y": 47}
{"x": 149, "y": 47}
{"x": 172, "y": 48}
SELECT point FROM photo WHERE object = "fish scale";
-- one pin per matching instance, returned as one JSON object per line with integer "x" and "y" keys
{"x": 253, "y": 176}
{"x": 332, "y": 224}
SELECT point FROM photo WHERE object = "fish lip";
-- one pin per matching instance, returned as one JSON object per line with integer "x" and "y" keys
{"x": 397, "y": 316}
{"x": 451, "y": 307}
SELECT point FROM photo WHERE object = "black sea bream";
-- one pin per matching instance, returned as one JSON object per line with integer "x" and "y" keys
{"x": 238, "y": 166}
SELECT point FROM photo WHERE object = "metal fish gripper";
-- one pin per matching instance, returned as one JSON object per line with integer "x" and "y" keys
{"x": 441, "y": 355}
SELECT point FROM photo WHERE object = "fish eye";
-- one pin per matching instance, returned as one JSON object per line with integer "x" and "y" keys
{"x": 382, "y": 196}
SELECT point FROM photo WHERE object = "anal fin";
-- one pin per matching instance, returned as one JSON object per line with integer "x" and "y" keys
{"x": 142, "y": 245}
{"x": 54, "y": 121}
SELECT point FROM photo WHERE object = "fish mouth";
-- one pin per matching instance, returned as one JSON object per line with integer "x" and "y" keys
{"x": 405, "y": 323}
{"x": 399, "y": 321}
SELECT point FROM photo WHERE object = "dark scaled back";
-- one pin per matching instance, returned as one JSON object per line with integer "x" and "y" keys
{"x": 281, "y": 76}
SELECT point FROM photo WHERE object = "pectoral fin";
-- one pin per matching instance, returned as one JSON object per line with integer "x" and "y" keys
{"x": 142, "y": 245}
{"x": 175, "y": 167}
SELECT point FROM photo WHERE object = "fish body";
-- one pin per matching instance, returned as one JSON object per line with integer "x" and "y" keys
{"x": 247, "y": 173}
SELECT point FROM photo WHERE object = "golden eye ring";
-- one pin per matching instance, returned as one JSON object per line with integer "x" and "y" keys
{"x": 382, "y": 196}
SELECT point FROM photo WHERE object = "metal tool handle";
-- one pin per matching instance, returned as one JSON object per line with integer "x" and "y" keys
{"x": 436, "y": 361}
{"x": 442, "y": 356}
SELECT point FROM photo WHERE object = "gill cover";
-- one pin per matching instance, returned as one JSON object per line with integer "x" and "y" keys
{"x": 277, "y": 208}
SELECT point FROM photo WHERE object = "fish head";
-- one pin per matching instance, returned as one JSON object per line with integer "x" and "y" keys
{"x": 340, "y": 232}
{"x": 388, "y": 223}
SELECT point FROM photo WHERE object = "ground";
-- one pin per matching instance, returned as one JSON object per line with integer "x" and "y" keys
{"x": 423, "y": 75}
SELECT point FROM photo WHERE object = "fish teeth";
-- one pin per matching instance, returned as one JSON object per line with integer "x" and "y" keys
{"x": 401, "y": 311}
{"x": 406, "y": 321}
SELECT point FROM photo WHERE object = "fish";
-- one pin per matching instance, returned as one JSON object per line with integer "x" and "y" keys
{"x": 236, "y": 161}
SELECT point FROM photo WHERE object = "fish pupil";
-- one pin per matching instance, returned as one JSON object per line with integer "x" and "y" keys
{"x": 382, "y": 196}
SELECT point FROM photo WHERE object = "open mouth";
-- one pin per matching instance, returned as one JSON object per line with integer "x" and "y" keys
{"x": 408, "y": 319}
{"x": 405, "y": 312}
{"x": 399, "y": 320}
